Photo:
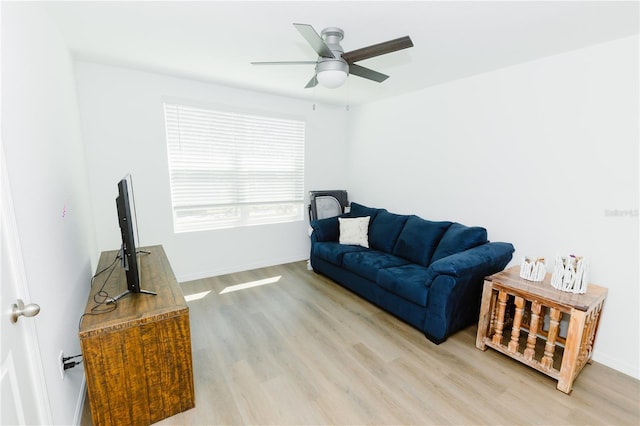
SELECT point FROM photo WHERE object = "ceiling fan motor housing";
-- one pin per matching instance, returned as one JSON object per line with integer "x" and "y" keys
{"x": 332, "y": 37}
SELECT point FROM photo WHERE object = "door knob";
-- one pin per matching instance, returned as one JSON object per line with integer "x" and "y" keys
{"x": 19, "y": 308}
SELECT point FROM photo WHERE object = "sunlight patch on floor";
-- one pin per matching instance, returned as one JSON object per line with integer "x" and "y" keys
{"x": 251, "y": 284}
{"x": 196, "y": 296}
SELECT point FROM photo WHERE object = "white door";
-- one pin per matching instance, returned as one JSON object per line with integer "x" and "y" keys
{"x": 23, "y": 389}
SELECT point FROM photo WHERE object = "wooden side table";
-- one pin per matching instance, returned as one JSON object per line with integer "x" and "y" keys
{"x": 513, "y": 318}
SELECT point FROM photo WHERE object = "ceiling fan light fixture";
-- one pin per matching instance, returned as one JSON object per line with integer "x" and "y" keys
{"x": 332, "y": 79}
{"x": 332, "y": 73}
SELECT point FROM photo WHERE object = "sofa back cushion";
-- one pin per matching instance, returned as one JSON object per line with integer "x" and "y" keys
{"x": 459, "y": 238}
{"x": 384, "y": 231}
{"x": 326, "y": 229}
{"x": 419, "y": 238}
{"x": 359, "y": 210}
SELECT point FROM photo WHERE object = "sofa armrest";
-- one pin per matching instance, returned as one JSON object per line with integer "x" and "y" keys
{"x": 485, "y": 260}
{"x": 456, "y": 283}
{"x": 325, "y": 229}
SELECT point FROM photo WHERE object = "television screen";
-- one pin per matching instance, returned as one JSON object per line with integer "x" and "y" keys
{"x": 128, "y": 250}
{"x": 127, "y": 220}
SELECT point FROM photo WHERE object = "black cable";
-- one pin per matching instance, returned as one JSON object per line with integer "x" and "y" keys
{"x": 68, "y": 358}
{"x": 104, "y": 269}
{"x": 111, "y": 303}
{"x": 67, "y": 362}
{"x": 68, "y": 365}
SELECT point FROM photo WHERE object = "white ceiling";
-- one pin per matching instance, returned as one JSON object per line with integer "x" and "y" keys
{"x": 215, "y": 41}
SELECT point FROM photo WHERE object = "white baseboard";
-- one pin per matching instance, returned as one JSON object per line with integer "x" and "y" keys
{"x": 628, "y": 369}
{"x": 77, "y": 418}
{"x": 237, "y": 268}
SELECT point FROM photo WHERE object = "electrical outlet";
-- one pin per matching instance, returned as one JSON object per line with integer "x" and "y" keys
{"x": 61, "y": 363}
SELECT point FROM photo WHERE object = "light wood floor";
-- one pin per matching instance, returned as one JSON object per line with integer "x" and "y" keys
{"x": 300, "y": 349}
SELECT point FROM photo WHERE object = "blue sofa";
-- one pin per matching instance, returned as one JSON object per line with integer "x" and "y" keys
{"x": 429, "y": 274}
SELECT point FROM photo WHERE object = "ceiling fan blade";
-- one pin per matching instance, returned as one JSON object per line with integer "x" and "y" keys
{"x": 377, "y": 49}
{"x": 285, "y": 63}
{"x": 312, "y": 83}
{"x": 363, "y": 72}
{"x": 314, "y": 40}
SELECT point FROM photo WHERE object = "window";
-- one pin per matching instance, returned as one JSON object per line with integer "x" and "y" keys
{"x": 229, "y": 169}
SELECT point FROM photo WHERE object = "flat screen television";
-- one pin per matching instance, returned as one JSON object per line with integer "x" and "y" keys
{"x": 128, "y": 254}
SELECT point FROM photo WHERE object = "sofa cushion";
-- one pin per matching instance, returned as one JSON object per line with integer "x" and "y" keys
{"x": 419, "y": 238}
{"x": 354, "y": 230}
{"x": 326, "y": 229}
{"x": 459, "y": 238}
{"x": 407, "y": 281}
{"x": 358, "y": 210}
{"x": 333, "y": 251}
{"x": 384, "y": 231}
{"x": 367, "y": 263}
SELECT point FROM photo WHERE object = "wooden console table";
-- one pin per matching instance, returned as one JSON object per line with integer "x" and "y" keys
{"x": 511, "y": 305}
{"x": 137, "y": 358}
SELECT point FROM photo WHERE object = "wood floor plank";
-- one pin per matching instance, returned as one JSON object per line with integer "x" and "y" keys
{"x": 299, "y": 349}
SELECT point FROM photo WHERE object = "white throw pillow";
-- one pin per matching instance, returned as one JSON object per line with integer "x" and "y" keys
{"x": 354, "y": 230}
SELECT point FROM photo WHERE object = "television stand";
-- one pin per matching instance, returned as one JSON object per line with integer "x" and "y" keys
{"x": 124, "y": 293}
{"x": 137, "y": 358}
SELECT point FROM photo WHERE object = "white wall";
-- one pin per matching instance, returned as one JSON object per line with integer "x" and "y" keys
{"x": 537, "y": 153}
{"x": 483, "y": 150}
{"x": 47, "y": 173}
{"x": 123, "y": 128}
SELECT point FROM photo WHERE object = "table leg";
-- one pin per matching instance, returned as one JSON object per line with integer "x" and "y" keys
{"x": 486, "y": 313}
{"x": 570, "y": 363}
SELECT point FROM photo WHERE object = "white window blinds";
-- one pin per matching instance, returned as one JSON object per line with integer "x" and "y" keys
{"x": 229, "y": 169}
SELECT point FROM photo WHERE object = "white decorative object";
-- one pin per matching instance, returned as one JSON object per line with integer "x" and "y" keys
{"x": 533, "y": 269}
{"x": 571, "y": 274}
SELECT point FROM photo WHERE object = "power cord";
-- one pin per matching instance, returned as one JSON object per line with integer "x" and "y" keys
{"x": 101, "y": 297}
{"x": 67, "y": 363}
{"x": 104, "y": 302}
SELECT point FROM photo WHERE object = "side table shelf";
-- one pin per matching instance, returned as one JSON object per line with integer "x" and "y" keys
{"x": 521, "y": 319}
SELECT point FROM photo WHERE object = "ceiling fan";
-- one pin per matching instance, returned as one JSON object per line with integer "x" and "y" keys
{"x": 333, "y": 65}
